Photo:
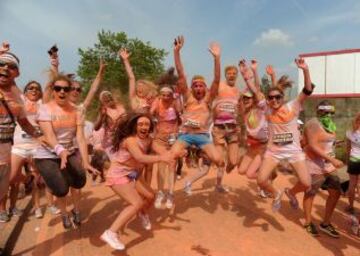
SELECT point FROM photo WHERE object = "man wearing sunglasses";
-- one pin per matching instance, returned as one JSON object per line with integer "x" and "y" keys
{"x": 320, "y": 138}
{"x": 11, "y": 111}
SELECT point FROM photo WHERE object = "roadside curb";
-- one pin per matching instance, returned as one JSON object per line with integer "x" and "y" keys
{"x": 11, "y": 230}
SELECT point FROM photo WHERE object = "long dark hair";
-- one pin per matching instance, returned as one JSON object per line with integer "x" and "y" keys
{"x": 126, "y": 127}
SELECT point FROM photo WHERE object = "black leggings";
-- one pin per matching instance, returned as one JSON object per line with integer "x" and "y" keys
{"x": 59, "y": 181}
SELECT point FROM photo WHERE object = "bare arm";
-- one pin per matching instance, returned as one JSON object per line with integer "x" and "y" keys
{"x": 182, "y": 84}
{"x": 271, "y": 72}
{"x": 124, "y": 55}
{"x": 254, "y": 66}
{"x": 215, "y": 50}
{"x": 248, "y": 78}
{"x": 95, "y": 84}
{"x": 54, "y": 69}
{"x": 307, "y": 80}
{"x": 140, "y": 157}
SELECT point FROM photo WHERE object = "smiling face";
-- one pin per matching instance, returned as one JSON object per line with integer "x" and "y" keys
{"x": 8, "y": 72}
{"x": 108, "y": 101}
{"x": 143, "y": 127}
{"x": 231, "y": 76}
{"x": 75, "y": 92}
{"x": 248, "y": 102}
{"x": 33, "y": 92}
{"x": 275, "y": 99}
{"x": 141, "y": 90}
{"x": 61, "y": 90}
{"x": 166, "y": 96}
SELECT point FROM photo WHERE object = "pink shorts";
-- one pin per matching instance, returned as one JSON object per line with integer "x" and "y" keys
{"x": 111, "y": 181}
{"x": 291, "y": 157}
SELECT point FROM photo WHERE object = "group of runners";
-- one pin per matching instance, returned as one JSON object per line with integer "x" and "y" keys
{"x": 167, "y": 121}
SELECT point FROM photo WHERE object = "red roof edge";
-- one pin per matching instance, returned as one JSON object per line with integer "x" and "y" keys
{"x": 326, "y": 53}
{"x": 336, "y": 95}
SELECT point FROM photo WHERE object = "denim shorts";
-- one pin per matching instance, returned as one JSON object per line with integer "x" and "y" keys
{"x": 196, "y": 139}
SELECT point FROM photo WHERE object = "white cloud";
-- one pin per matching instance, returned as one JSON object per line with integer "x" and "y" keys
{"x": 273, "y": 37}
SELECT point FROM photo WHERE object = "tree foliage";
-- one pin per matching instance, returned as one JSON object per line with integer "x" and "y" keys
{"x": 146, "y": 60}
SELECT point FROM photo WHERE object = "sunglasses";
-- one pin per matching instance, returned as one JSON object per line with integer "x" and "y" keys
{"x": 33, "y": 88}
{"x": 276, "y": 97}
{"x": 58, "y": 88}
{"x": 10, "y": 65}
{"x": 78, "y": 89}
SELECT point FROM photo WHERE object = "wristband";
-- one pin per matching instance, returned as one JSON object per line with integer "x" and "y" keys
{"x": 307, "y": 92}
{"x": 58, "y": 149}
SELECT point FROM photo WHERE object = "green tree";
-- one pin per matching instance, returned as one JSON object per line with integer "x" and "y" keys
{"x": 146, "y": 60}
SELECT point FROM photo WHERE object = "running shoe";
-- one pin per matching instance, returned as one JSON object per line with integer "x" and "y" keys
{"x": 159, "y": 199}
{"x": 38, "y": 213}
{"x": 311, "y": 229}
{"x": 4, "y": 217}
{"x": 221, "y": 189}
{"x": 112, "y": 239}
{"x": 169, "y": 201}
{"x": 354, "y": 224}
{"x": 276, "y": 204}
{"x": 187, "y": 188}
{"x": 292, "y": 199}
{"x": 263, "y": 193}
{"x": 329, "y": 229}
{"x": 76, "y": 218}
{"x": 15, "y": 212}
{"x": 66, "y": 221}
{"x": 54, "y": 210}
{"x": 145, "y": 221}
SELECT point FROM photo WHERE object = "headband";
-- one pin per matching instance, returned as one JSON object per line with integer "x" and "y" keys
{"x": 166, "y": 89}
{"x": 10, "y": 57}
{"x": 328, "y": 108}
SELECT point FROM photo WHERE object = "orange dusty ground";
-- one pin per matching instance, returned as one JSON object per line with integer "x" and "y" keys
{"x": 206, "y": 223}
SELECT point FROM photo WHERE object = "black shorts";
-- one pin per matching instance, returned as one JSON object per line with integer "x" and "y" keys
{"x": 353, "y": 168}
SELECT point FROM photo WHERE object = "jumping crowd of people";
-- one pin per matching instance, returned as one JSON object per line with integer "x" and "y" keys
{"x": 169, "y": 122}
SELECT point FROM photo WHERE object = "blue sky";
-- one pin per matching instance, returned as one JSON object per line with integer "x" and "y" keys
{"x": 273, "y": 32}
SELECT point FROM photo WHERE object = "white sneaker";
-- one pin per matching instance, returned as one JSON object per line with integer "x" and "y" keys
{"x": 159, "y": 199}
{"x": 169, "y": 201}
{"x": 145, "y": 221}
{"x": 54, "y": 210}
{"x": 112, "y": 239}
{"x": 354, "y": 222}
{"x": 276, "y": 204}
{"x": 38, "y": 213}
{"x": 15, "y": 212}
{"x": 187, "y": 188}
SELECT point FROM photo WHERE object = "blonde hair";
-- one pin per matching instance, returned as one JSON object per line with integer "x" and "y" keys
{"x": 227, "y": 68}
{"x": 150, "y": 88}
{"x": 284, "y": 82}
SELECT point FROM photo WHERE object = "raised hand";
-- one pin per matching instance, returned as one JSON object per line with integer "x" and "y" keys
{"x": 5, "y": 47}
{"x": 244, "y": 70}
{"x": 179, "y": 43}
{"x": 124, "y": 54}
{"x": 254, "y": 65}
{"x": 270, "y": 70}
{"x": 102, "y": 64}
{"x": 215, "y": 49}
{"x": 54, "y": 62}
{"x": 300, "y": 63}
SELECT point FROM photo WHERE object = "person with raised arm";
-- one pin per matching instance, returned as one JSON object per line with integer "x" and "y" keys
{"x": 131, "y": 145}
{"x": 61, "y": 122}
{"x": 284, "y": 136}
{"x": 196, "y": 117}
{"x": 254, "y": 106}
{"x": 225, "y": 131}
{"x": 271, "y": 72}
{"x": 319, "y": 146}
{"x": 12, "y": 111}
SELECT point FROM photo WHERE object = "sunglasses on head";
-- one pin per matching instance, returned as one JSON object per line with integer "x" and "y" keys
{"x": 58, "y": 88}
{"x": 78, "y": 89}
{"x": 10, "y": 65}
{"x": 276, "y": 97}
{"x": 33, "y": 88}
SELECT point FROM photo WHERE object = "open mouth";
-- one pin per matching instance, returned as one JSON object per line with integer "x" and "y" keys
{"x": 3, "y": 73}
{"x": 62, "y": 97}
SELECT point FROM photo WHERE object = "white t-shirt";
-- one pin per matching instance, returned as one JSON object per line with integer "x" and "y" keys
{"x": 354, "y": 138}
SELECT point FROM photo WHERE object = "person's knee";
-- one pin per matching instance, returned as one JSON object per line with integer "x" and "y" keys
{"x": 79, "y": 182}
{"x": 60, "y": 191}
{"x": 138, "y": 204}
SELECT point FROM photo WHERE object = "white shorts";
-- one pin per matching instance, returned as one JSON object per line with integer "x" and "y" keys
{"x": 22, "y": 152}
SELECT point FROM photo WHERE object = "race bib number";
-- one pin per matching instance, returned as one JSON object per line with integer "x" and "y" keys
{"x": 283, "y": 138}
{"x": 192, "y": 123}
{"x": 227, "y": 107}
